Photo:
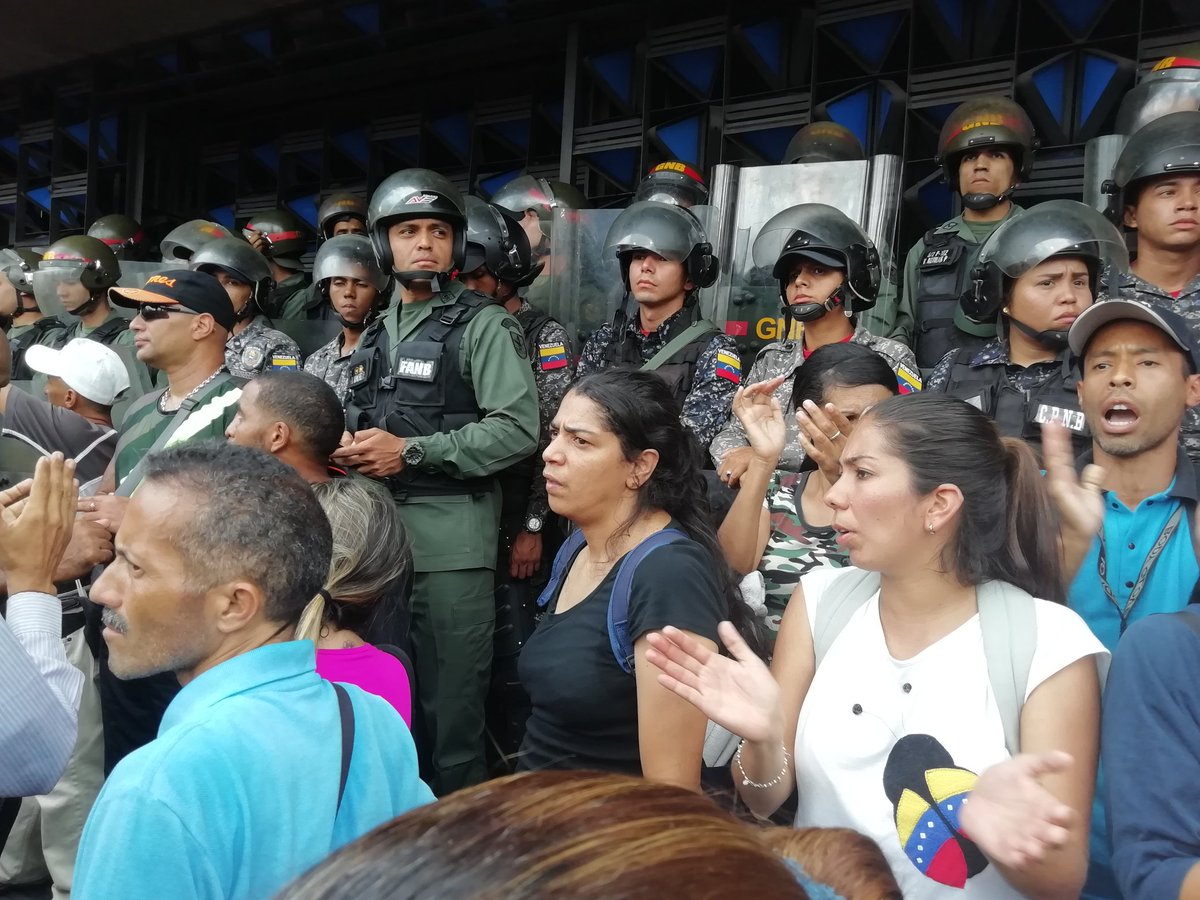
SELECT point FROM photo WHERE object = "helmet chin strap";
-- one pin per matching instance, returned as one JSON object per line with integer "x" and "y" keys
{"x": 979, "y": 202}
{"x": 355, "y": 326}
{"x": 87, "y": 308}
{"x": 408, "y": 279}
{"x": 810, "y": 312}
{"x": 1051, "y": 340}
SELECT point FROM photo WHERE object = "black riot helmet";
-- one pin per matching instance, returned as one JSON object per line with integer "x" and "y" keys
{"x": 667, "y": 230}
{"x": 986, "y": 123}
{"x": 87, "y": 260}
{"x": 351, "y": 256}
{"x": 823, "y": 142}
{"x": 496, "y": 240}
{"x": 1055, "y": 228}
{"x": 122, "y": 234}
{"x": 241, "y": 261}
{"x": 1169, "y": 145}
{"x": 184, "y": 240}
{"x": 416, "y": 194}
{"x": 539, "y": 194}
{"x": 339, "y": 208}
{"x": 285, "y": 233}
{"x": 673, "y": 182}
{"x": 829, "y": 237}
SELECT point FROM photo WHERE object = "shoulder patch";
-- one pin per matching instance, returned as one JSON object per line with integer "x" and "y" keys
{"x": 908, "y": 380}
{"x": 283, "y": 362}
{"x": 252, "y": 357}
{"x": 729, "y": 366}
{"x": 518, "y": 336}
{"x": 552, "y": 356}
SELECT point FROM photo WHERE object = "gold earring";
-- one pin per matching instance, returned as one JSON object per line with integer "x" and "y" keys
{"x": 929, "y": 525}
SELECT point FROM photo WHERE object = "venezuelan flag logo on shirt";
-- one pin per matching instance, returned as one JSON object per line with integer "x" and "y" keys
{"x": 552, "y": 356}
{"x": 729, "y": 367}
{"x": 908, "y": 380}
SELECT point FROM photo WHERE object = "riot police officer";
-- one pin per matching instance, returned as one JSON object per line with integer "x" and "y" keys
{"x": 253, "y": 346}
{"x": 82, "y": 270}
{"x": 123, "y": 235}
{"x": 985, "y": 150}
{"x": 20, "y": 315}
{"x": 829, "y": 274}
{"x": 1037, "y": 272}
{"x": 354, "y": 289}
{"x": 665, "y": 258}
{"x": 184, "y": 240}
{"x": 442, "y": 398}
{"x": 341, "y": 213}
{"x": 281, "y": 237}
{"x": 534, "y": 202}
{"x": 673, "y": 182}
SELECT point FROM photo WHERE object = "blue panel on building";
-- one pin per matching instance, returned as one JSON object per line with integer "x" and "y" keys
{"x": 767, "y": 40}
{"x": 10, "y": 145}
{"x": 455, "y": 130}
{"x": 79, "y": 132}
{"x": 1098, "y": 72}
{"x": 407, "y": 146}
{"x": 305, "y": 208}
{"x": 364, "y": 16}
{"x": 616, "y": 71}
{"x": 354, "y": 144}
{"x": 770, "y": 143}
{"x": 869, "y": 38}
{"x": 853, "y": 111}
{"x": 268, "y": 155}
{"x": 682, "y": 138}
{"x": 495, "y": 182}
{"x": 954, "y": 14}
{"x": 697, "y": 68}
{"x": 40, "y": 196}
{"x": 1080, "y": 16}
{"x": 1050, "y": 81}
{"x": 937, "y": 200}
{"x": 223, "y": 215}
{"x": 515, "y": 131}
{"x": 109, "y": 132}
{"x": 620, "y": 164}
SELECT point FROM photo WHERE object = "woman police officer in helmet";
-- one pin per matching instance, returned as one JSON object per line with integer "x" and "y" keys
{"x": 1035, "y": 275}
{"x": 828, "y": 272}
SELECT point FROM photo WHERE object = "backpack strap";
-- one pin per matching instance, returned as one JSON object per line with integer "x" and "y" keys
{"x": 849, "y": 592}
{"x": 1008, "y": 621}
{"x": 346, "y": 715}
{"x": 694, "y": 331}
{"x": 109, "y": 329}
{"x": 558, "y": 570}
{"x": 618, "y": 602}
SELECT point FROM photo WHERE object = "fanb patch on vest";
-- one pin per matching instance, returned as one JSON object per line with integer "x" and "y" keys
{"x": 518, "y": 336}
{"x": 284, "y": 363}
{"x": 416, "y": 369}
{"x": 359, "y": 374}
{"x": 1071, "y": 419}
{"x": 729, "y": 367}
{"x": 552, "y": 356}
{"x": 908, "y": 380}
{"x": 941, "y": 257}
{"x": 252, "y": 358}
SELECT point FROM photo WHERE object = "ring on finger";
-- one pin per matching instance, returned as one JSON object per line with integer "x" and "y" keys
{"x": 837, "y": 434}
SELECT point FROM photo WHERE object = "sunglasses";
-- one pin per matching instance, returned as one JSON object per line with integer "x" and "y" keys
{"x": 152, "y": 311}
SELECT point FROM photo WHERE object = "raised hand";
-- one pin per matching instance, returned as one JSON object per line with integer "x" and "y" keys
{"x": 1011, "y": 817}
{"x": 1078, "y": 498}
{"x": 737, "y": 693}
{"x": 823, "y": 434}
{"x": 35, "y": 529}
{"x": 760, "y": 414}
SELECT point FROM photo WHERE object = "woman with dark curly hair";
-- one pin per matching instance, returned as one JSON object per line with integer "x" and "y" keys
{"x": 622, "y": 468}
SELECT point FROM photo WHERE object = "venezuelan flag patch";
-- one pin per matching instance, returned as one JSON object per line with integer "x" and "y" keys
{"x": 729, "y": 367}
{"x": 283, "y": 362}
{"x": 552, "y": 356}
{"x": 908, "y": 381}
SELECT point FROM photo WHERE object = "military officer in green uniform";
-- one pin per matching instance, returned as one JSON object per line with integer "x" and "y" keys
{"x": 442, "y": 398}
{"x": 986, "y": 150}
{"x": 281, "y": 237}
{"x": 20, "y": 315}
{"x": 83, "y": 269}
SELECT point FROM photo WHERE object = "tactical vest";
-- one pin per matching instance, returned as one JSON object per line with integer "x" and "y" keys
{"x": 105, "y": 334}
{"x": 20, "y": 371}
{"x": 944, "y": 274}
{"x": 680, "y": 370}
{"x": 416, "y": 388}
{"x": 1020, "y": 413}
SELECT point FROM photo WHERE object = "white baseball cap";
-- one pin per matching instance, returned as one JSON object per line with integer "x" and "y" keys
{"x": 85, "y": 366}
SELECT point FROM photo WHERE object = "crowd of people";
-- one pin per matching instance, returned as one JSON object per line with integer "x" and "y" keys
{"x": 300, "y": 554}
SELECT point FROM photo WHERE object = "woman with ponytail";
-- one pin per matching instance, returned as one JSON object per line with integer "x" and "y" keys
{"x": 365, "y": 598}
{"x": 621, "y": 467}
{"x": 898, "y": 729}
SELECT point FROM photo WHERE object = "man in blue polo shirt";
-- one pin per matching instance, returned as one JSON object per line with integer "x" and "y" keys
{"x": 1127, "y": 519}
{"x": 260, "y": 767}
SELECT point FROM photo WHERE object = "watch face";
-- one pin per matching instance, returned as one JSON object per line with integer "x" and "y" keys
{"x": 533, "y": 524}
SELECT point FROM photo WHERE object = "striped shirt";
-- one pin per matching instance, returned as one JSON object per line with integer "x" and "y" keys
{"x": 39, "y": 693}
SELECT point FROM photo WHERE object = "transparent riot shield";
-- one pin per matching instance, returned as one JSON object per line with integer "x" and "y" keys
{"x": 58, "y": 289}
{"x": 1100, "y": 154}
{"x": 580, "y": 285}
{"x": 745, "y": 299}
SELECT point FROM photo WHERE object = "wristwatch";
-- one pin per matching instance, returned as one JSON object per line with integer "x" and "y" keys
{"x": 413, "y": 454}
{"x": 534, "y": 524}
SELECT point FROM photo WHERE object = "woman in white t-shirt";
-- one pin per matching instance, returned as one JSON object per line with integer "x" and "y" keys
{"x": 898, "y": 734}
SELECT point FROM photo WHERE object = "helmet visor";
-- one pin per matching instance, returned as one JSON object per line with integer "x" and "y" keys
{"x": 661, "y": 228}
{"x": 1054, "y": 228}
{"x": 827, "y": 228}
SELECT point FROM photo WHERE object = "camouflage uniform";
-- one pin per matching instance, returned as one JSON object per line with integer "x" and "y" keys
{"x": 1186, "y": 304}
{"x": 259, "y": 348}
{"x": 706, "y": 406}
{"x": 784, "y": 358}
{"x": 1023, "y": 378}
{"x": 553, "y": 372}
{"x": 328, "y": 364}
{"x": 794, "y": 547}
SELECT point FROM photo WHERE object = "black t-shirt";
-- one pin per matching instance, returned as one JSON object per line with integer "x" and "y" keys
{"x": 584, "y": 705}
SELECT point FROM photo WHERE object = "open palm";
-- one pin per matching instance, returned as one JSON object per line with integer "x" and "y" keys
{"x": 760, "y": 414}
{"x": 738, "y": 692}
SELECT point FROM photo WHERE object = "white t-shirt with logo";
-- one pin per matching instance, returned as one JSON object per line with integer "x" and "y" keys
{"x": 889, "y": 747}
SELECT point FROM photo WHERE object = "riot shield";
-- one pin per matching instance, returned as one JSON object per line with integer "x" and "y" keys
{"x": 745, "y": 299}
{"x": 57, "y": 289}
{"x": 580, "y": 285}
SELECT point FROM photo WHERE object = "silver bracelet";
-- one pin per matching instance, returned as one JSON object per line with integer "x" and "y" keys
{"x": 737, "y": 758}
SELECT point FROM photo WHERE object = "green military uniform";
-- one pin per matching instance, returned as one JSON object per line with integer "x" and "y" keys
{"x": 47, "y": 330}
{"x": 108, "y": 332}
{"x": 453, "y": 534}
{"x": 970, "y": 236}
{"x": 288, "y": 297}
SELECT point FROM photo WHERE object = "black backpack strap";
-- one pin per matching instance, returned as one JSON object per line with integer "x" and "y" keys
{"x": 109, "y": 329}
{"x": 460, "y": 311}
{"x": 346, "y": 714}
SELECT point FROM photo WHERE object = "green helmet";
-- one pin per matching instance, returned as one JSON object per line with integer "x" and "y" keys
{"x": 95, "y": 264}
{"x": 986, "y": 123}
{"x": 337, "y": 208}
{"x": 542, "y": 196}
{"x": 823, "y": 142}
{"x": 120, "y": 232}
{"x": 416, "y": 194}
{"x": 184, "y": 240}
{"x": 18, "y": 265}
{"x": 285, "y": 233}
{"x": 238, "y": 258}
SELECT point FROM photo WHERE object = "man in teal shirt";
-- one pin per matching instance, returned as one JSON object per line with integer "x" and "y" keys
{"x": 257, "y": 772}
